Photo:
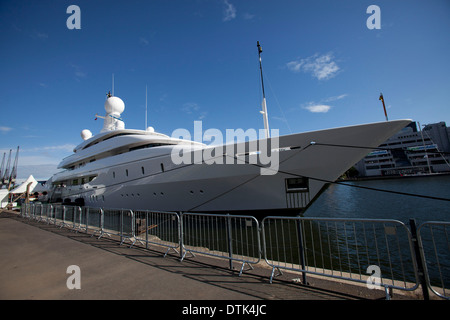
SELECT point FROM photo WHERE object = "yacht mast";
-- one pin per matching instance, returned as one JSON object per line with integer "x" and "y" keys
{"x": 145, "y": 128}
{"x": 264, "y": 106}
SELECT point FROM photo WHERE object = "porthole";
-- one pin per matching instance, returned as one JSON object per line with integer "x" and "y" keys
{"x": 143, "y": 170}
{"x": 126, "y": 172}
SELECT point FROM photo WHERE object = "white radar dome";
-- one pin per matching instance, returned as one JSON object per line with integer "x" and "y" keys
{"x": 114, "y": 105}
{"x": 86, "y": 134}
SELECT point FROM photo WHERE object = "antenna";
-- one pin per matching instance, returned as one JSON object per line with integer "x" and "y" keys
{"x": 113, "y": 84}
{"x": 145, "y": 128}
{"x": 264, "y": 106}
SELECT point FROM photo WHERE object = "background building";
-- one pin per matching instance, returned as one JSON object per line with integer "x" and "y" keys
{"x": 410, "y": 151}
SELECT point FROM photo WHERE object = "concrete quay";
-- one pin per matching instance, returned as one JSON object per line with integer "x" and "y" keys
{"x": 34, "y": 258}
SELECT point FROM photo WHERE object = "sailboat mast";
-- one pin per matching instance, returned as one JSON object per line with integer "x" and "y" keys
{"x": 264, "y": 106}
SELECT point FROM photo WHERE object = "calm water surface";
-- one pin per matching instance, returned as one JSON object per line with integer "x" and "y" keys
{"x": 340, "y": 201}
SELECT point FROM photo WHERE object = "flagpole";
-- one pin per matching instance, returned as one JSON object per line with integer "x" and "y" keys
{"x": 384, "y": 107}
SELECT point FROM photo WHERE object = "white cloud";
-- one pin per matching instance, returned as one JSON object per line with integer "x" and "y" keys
{"x": 143, "y": 41}
{"x": 318, "y": 108}
{"x": 248, "y": 16}
{"x": 38, "y": 159}
{"x": 44, "y": 154}
{"x": 190, "y": 107}
{"x": 322, "y": 106}
{"x": 39, "y": 35}
{"x": 78, "y": 72}
{"x": 40, "y": 172}
{"x": 295, "y": 66}
{"x": 5, "y": 129}
{"x": 194, "y": 108}
{"x": 321, "y": 67}
{"x": 335, "y": 98}
{"x": 229, "y": 12}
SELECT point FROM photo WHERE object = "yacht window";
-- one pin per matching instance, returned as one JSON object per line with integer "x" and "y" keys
{"x": 297, "y": 184}
{"x": 126, "y": 172}
{"x": 143, "y": 171}
{"x": 150, "y": 145}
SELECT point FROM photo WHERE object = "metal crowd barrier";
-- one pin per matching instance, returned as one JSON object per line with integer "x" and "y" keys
{"x": 434, "y": 241}
{"x": 231, "y": 237}
{"x": 118, "y": 222}
{"x": 381, "y": 253}
{"x": 358, "y": 250}
{"x": 93, "y": 220}
{"x": 158, "y": 228}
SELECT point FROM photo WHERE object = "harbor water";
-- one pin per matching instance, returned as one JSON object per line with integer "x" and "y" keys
{"x": 343, "y": 201}
{"x": 350, "y": 202}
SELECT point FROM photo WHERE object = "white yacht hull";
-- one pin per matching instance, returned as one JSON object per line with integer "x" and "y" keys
{"x": 140, "y": 181}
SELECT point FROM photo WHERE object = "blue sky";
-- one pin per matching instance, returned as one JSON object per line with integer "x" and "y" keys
{"x": 198, "y": 58}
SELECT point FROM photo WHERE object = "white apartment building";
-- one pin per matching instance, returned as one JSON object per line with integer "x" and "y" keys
{"x": 410, "y": 151}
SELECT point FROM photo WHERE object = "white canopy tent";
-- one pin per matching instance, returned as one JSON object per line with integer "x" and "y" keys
{"x": 3, "y": 198}
{"x": 23, "y": 187}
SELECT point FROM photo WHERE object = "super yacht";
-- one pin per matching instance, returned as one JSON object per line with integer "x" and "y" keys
{"x": 265, "y": 174}
{"x": 147, "y": 170}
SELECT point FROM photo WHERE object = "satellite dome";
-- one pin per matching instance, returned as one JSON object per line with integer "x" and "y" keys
{"x": 114, "y": 105}
{"x": 86, "y": 134}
